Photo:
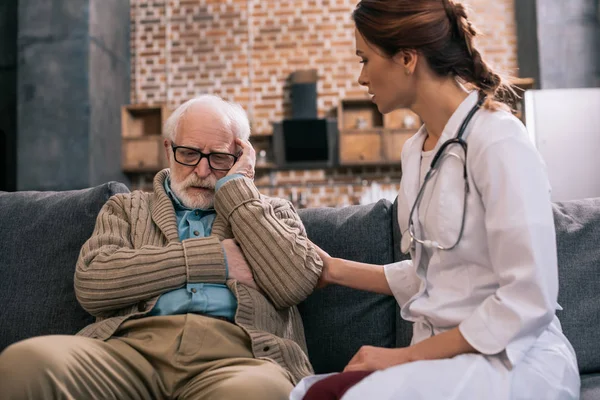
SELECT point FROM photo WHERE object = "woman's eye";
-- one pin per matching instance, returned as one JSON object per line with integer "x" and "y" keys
{"x": 363, "y": 61}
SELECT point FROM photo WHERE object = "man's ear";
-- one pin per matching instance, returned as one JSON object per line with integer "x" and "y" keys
{"x": 408, "y": 59}
{"x": 167, "y": 144}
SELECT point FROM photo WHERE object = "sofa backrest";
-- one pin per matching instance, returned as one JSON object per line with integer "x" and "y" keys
{"x": 41, "y": 234}
{"x": 578, "y": 245}
{"x": 339, "y": 320}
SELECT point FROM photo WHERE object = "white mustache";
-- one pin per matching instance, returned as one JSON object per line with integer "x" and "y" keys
{"x": 193, "y": 180}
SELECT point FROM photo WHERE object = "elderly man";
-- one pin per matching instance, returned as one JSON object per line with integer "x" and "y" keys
{"x": 194, "y": 286}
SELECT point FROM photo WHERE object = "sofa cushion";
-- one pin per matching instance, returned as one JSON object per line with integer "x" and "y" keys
{"x": 590, "y": 387}
{"x": 41, "y": 235}
{"x": 339, "y": 320}
{"x": 578, "y": 241}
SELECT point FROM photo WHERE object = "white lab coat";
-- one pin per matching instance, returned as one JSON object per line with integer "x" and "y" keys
{"x": 499, "y": 286}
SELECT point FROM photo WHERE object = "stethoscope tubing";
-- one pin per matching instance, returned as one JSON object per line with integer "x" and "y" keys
{"x": 432, "y": 169}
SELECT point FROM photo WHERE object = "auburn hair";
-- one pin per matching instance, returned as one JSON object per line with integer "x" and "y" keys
{"x": 439, "y": 30}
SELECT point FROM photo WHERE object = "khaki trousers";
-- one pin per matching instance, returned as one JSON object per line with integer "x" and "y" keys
{"x": 172, "y": 357}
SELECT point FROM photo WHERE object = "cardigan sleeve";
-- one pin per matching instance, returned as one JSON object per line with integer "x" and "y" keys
{"x": 111, "y": 274}
{"x": 285, "y": 264}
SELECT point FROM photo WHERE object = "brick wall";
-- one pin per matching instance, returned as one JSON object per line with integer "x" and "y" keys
{"x": 245, "y": 50}
{"x": 334, "y": 187}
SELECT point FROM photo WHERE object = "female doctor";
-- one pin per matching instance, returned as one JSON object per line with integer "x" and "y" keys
{"x": 475, "y": 214}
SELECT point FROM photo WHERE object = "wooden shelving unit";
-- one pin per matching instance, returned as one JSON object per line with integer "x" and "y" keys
{"x": 522, "y": 85}
{"x": 141, "y": 135}
{"x": 368, "y": 137}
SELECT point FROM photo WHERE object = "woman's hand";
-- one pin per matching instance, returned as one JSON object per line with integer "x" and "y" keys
{"x": 352, "y": 274}
{"x": 239, "y": 269}
{"x": 444, "y": 345}
{"x": 370, "y": 358}
{"x": 326, "y": 277}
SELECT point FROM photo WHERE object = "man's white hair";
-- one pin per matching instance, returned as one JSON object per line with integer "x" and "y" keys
{"x": 234, "y": 115}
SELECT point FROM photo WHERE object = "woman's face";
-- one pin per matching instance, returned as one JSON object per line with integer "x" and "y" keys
{"x": 385, "y": 77}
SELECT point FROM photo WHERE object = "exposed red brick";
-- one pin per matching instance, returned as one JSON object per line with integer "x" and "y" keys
{"x": 213, "y": 44}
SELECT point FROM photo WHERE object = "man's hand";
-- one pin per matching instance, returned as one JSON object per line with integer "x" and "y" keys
{"x": 237, "y": 264}
{"x": 245, "y": 164}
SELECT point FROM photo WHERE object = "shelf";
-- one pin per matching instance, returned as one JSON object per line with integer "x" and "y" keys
{"x": 274, "y": 168}
{"x": 261, "y": 136}
{"x": 138, "y": 120}
{"x": 143, "y": 154}
{"x": 378, "y": 130}
{"x": 358, "y": 114}
{"x": 265, "y": 166}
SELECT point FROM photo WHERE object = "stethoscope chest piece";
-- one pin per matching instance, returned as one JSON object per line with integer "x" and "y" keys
{"x": 406, "y": 242}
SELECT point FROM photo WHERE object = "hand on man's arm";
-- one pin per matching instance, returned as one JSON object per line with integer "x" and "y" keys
{"x": 237, "y": 265}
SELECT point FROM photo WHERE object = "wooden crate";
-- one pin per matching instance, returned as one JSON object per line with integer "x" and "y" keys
{"x": 358, "y": 114}
{"x": 143, "y": 154}
{"x": 393, "y": 141}
{"x": 521, "y": 86}
{"x": 361, "y": 146}
{"x": 402, "y": 119}
{"x": 262, "y": 143}
{"x": 138, "y": 120}
{"x": 377, "y": 138}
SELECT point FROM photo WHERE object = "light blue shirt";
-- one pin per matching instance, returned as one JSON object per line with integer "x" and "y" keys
{"x": 201, "y": 298}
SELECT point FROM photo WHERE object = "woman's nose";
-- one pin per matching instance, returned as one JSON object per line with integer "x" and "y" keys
{"x": 362, "y": 79}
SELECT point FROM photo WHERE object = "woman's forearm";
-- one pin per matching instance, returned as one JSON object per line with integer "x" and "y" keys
{"x": 445, "y": 345}
{"x": 360, "y": 276}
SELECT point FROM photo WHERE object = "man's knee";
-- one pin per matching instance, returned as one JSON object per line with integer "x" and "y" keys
{"x": 27, "y": 357}
{"x": 254, "y": 387}
{"x": 30, "y": 368}
{"x": 25, "y": 362}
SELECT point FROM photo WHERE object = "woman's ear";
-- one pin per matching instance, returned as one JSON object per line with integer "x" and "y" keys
{"x": 408, "y": 60}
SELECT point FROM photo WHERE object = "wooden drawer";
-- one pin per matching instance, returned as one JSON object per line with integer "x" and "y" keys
{"x": 402, "y": 119}
{"x": 394, "y": 141}
{"x": 139, "y": 120}
{"x": 358, "y": 114}
{"x": 360, "y": 147}
{"x": 143, "y": 154}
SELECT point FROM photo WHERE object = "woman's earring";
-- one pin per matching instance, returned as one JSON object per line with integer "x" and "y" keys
{"x": 407, "y": 71}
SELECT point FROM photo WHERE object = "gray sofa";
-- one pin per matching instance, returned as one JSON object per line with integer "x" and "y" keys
{"x": 41, "y": 234}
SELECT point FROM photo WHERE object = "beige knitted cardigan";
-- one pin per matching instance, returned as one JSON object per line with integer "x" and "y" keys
{"x": 134, "y": 255}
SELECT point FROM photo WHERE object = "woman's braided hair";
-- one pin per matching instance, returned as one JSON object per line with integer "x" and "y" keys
{"x": 438, "y": 29}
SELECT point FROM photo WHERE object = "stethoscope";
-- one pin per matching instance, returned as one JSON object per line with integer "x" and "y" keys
{"x": 408, "y": 237}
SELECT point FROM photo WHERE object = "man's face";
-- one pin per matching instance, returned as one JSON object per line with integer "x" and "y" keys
{"x": 204, "y": 130}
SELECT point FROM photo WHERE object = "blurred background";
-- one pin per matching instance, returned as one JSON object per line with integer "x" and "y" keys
{"x": 85, "y": 86}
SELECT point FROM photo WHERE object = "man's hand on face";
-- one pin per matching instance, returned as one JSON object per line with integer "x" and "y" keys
{"x": 237, "y": 264}
{"x": 247, "y": 160}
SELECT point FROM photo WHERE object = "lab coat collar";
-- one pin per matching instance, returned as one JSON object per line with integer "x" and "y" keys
{"x": 453, "y": 125}
{"x": 412, "y": 157}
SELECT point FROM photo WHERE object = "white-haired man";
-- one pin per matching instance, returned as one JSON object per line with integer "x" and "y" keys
{"x": 194, "y": 286}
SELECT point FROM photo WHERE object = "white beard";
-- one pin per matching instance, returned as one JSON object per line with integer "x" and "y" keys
{"x": 201, "y": 200}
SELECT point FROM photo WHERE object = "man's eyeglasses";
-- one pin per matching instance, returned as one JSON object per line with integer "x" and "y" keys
{"x": 191, "y": 157}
